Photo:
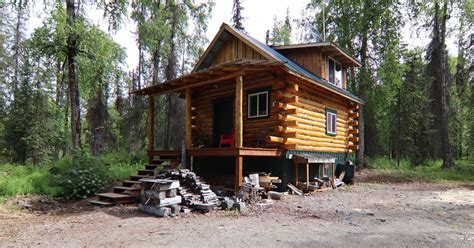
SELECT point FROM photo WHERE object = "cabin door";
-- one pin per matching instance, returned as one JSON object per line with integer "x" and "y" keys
{"x": 222, "y": 118}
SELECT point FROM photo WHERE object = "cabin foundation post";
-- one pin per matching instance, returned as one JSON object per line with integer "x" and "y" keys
{"x": 307, "y": 176}
{"x": 151, "y": 123}
{"x": 238, "y": 172}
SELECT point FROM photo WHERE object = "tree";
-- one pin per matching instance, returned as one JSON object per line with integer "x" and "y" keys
{"x": 281, "y": 31}
{"x": 439, "y": 92}
{"x": 237, "y": 19}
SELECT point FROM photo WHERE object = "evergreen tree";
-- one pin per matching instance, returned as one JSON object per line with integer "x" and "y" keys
{"x": 237, "y": 19}
{"x": 281, "y": 31}
{"x": 439, "y": 91}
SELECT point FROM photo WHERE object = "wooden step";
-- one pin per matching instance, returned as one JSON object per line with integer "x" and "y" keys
{"x": 151, "y": 166}
{"x": 127, "y": 190}
{"x": 116, "y": 198}
{"x": 138, "y": 177}
{"x": 129, "y": 183}
{"x": 146, "y": 172}
{"x": 156, "y": 162}
{"x": 101, "y": 203}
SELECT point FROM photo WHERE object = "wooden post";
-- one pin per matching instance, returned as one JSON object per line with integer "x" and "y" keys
{"x": 307, "y": 176}
{"x": 189, "y": 134}
{"x": 296, "y": 172}
{"x": 151, "y": 123}
{"x": 238, "y": 111}
{"x": 238, "y": 172}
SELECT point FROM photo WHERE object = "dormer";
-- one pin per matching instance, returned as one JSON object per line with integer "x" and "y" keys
{"x": 324, "y": 59}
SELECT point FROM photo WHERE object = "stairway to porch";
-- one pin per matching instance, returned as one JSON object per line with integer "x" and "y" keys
{"x": 129, "y": 190}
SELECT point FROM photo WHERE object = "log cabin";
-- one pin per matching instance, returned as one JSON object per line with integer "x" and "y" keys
{"x": 252, "y": 107}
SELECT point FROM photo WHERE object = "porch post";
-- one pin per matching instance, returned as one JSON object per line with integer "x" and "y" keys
{"x": 238, "y": 172}
{"x": 151, "y": 123}
{"x": 188, "y": 119}
{"x": 238, "y": 111}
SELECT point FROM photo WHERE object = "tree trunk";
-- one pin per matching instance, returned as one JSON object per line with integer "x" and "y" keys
{"x": 72, "y": 77}
{"x": 360, "y": 156}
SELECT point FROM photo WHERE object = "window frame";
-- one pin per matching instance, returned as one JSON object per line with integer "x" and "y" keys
{"x": 331, "y": 112}
{"x": 258, "y": 93}
{"x": 334, "y": 73}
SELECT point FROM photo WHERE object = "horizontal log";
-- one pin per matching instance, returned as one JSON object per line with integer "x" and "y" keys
{"x": 354, "y": 147}
{"x": 290, "y": 123}
{"x": 311, "y": 148}
{"x": 353, "y": 115}
{"x": 275, "y": 139}
{"x": 353, "y": 139}
{"x": 353, "y": 123}
{"x": 283, "y": 129}
{"x": 353, "y": 131}
{"x": 292, "y": 88}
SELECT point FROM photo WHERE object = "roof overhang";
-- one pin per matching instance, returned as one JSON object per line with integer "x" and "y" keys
{"x": 329, "y": 48}
{"x": 211, "y": 75}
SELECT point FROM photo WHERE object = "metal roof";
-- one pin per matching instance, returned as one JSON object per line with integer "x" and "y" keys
{"x": 313, "y": 158}
{"x": 294, "y": 66}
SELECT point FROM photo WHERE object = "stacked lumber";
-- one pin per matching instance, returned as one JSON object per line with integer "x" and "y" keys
{"x": 195, "y": 192}
{"x": 267, "y": 182}
{"x": 159, "y": 197}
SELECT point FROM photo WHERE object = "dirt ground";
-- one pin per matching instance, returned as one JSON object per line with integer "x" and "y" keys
{"x": 368, "y": 214}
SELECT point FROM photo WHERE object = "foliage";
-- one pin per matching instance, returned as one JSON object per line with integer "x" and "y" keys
{"x": 281, "y": 31}
{"x": 431, "y": 171}
{"x": 82, "y": 176}
{"x": 16, "y": 179}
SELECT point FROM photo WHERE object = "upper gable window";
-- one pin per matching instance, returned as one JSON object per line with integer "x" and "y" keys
{"x": 335, "y": 72}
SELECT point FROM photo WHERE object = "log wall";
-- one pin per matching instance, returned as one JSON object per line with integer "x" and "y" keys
{"x": 204, "y": 98}
{"x": 303, "y": 125}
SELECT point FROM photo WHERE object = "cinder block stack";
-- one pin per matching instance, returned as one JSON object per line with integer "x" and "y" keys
{"x": 160, "y": 197}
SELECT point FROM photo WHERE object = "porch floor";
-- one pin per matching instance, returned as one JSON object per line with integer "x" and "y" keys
{"x": 221, "y": 152}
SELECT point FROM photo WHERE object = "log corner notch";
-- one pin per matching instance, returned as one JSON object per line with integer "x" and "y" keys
{"x": 354, "y": 127}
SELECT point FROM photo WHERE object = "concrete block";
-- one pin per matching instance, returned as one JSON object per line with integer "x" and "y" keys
{"x": 240, "y": 206}
{"x": 227, "y": 205}
{"x": 175, "y": 209}
{"x": 275, "y": 195}
{"x": 171, "y": 193}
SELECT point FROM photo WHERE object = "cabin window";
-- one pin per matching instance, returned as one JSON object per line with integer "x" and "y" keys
{"x": 258, "y": 104}
{"x": 335, "y": 72}
{"x": 331, "y": 122}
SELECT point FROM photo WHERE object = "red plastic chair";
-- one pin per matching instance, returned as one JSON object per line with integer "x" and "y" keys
{"x": 228, "y": 139}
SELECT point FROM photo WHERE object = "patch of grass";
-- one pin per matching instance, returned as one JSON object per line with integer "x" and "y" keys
{"x": 18, "y": 179}
{"x": 431, "y": 171}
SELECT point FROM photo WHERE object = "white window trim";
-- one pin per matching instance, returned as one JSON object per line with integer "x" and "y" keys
{"x": 258, "y": 104}
{"x": 328, "y": 123}
{"x": 342, "y": 72}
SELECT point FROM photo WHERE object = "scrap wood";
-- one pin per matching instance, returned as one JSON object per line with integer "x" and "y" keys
{"x": 294, "y": 189}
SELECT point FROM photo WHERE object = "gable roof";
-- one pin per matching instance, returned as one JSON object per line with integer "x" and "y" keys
{"x": 329, "y": 47}
{"x": 269, "y": 53}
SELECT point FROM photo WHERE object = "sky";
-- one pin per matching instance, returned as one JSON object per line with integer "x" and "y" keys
{"x": 258, "y": 14}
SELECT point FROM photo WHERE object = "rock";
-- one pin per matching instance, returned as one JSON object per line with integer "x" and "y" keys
{"x": 227, "y": 205}
{"x": 274, "y": 195}
{"x": 163, "y": 212}
{"x": 240, "y": 206}
{"x": 175, "y": 209}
